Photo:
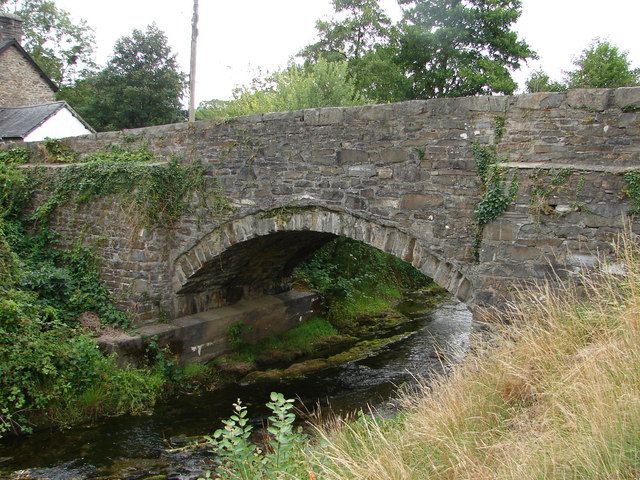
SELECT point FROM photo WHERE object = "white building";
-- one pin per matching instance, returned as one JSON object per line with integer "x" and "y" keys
{"x": 34, "y": 123}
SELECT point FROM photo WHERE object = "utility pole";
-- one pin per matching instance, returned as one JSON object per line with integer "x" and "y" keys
{"x": 192, "y": 71}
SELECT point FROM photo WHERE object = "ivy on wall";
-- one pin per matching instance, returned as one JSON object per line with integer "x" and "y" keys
{"x": 160, "y": 192}
{"x": 497, "y": 193}
{"x": 632, "y": 191}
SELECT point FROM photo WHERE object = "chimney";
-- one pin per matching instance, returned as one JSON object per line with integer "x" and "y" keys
{"x": 10, "y": 27}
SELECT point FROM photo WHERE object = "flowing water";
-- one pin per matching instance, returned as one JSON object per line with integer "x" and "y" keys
{"x": 137, "y": 447}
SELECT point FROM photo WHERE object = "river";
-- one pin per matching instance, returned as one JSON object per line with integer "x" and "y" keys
{"x": 136, "y": 448}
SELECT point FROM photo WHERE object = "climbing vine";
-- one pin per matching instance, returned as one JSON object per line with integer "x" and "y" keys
{"x": 633, "y": 191}
{"x": 15, "y": 156}
{"x": 55, "y": 151}
{"x": 496, "y": 194}
{"x": 161, "y": 192}
{"x": 500, "y": 129}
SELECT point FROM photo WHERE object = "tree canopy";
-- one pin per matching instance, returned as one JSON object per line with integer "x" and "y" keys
{"x": 539, "y": 81}
{"x": 439, "y": 48}
{"x": 141, "y": 85}
{"x": 60, "y": 45}
{"x": 603, "y": 65}
{"x": 322, "y": 84}
{"x": 451, "y": 48}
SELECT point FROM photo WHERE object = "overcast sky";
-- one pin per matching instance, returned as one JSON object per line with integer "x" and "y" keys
{"x": 237, "y": 37}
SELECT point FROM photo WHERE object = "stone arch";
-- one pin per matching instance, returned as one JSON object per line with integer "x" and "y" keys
{"x": 311, "y": 225}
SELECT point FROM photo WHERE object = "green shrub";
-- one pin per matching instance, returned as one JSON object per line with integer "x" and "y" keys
{"x": 240, "y": 459}
{"x": 356, "y": 279}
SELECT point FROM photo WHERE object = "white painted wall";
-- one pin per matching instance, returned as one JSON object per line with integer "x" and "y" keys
{"x": 60, "y": 125}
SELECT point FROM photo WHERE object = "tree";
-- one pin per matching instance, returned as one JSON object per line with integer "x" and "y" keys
{"x": 363, "y": 28}
{"x": 61, "y": 46}
{"x": 603, "y": 65}
{"x": 539, "y": 81}
{"x": 452, "y": 48}
{"x": 140, "y": 86}
{"x": 362, "y": 35}
{"x": 322, "y": 84}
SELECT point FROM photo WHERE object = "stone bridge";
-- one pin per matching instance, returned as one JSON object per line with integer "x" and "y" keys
{"x": 400, "y": 177}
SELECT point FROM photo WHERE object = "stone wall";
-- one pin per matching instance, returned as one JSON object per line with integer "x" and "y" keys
{"x": 401, "y": 177}
{"x": 20, "y": 83}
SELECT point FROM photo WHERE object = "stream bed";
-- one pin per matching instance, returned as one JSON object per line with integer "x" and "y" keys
{"x": 137, "y": 448}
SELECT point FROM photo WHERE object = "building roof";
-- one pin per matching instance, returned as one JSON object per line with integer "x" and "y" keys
{"x": 12, "y": 16}
{"x": 12, "y": 42}
{"x": 18, "y": 122}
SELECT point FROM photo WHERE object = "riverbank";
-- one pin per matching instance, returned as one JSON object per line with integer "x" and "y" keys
{"x": 555, "y": 395}
{"x": 145, "y": 446}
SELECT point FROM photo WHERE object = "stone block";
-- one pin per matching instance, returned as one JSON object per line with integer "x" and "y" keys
{"x": 346, "y": 156}
{"x": 627, "y": 99}
{"x": 595, "y": 100}
{"x": 362, "y": 171}
{"x": 539, "y": 101}
{"x": 418, "y": 201}
{"x": 393, "y": 155}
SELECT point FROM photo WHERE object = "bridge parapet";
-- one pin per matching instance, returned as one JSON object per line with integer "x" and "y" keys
{"x": 407, "y": 169}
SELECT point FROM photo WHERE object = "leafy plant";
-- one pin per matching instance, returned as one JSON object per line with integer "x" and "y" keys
{"x": 633, "y": 191}
{"x": 235, "y": 334}
{"x": 17, "y": 155}
{"x": 161, "y": 192}
{"x": 356, "y": 279}
{"x": 240, "y": 459}
{"x": 56, "y": 151}
{"x": 496, "y": 194}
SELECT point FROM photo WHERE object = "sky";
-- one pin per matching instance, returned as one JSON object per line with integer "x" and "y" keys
{"x": 240, "y": 38}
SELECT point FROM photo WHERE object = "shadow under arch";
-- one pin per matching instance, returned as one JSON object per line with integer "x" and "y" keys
{"x": 254, "y": 254}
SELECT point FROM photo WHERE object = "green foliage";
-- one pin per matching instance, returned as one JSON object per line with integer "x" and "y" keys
{"x": 160, "y": 192}
{"x": 500, "y": 127}
{"x": 16, "y": 155}
{"x": 496, "y": 194}
{"x": 16, "y": 188}
{"x": 50, "y": 370}
{"x": 58, "y": 152}
{"x": 140, "y": 86}
{"x": 362, "y": 28}
{"x": 240, "y": 459}
{"x": 324, "y": 84}
{"x": 303, "y": 339}
{"x": 235, "y": 334}
{"x": 8, "y": 261}
{"x": 361, "y": 35}
{"x": 603, "y": 65}
{"x": 60, "y": 45}
{"x": 539, "y": 81}
{"x": 450, "y": 48}
{"x": 633, "y": 191}
{"x": 356, "y": 279}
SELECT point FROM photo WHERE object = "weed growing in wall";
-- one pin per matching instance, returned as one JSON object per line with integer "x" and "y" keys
{"x": 15, "y": 156}
{"x": 633, "y": 191}
{"x": 55, "y": 151}
{"x": 497, "y": 195}
{"x": 500, "y": 127}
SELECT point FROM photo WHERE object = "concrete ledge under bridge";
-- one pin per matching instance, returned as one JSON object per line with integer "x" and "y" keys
{"x": 203, "y": 336}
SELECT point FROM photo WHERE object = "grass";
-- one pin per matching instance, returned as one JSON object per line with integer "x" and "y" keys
{"x": 556, "y": 395}
{"x": 296, "y": 342}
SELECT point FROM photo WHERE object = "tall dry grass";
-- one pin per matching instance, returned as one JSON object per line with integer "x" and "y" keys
{"x": 557, "y": 396}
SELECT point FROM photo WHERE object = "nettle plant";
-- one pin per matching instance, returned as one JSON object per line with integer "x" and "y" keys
{"x": 241, "y": 459}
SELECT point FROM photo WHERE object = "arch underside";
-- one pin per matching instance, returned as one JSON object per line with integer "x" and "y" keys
{"x": 256, "y": 255}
